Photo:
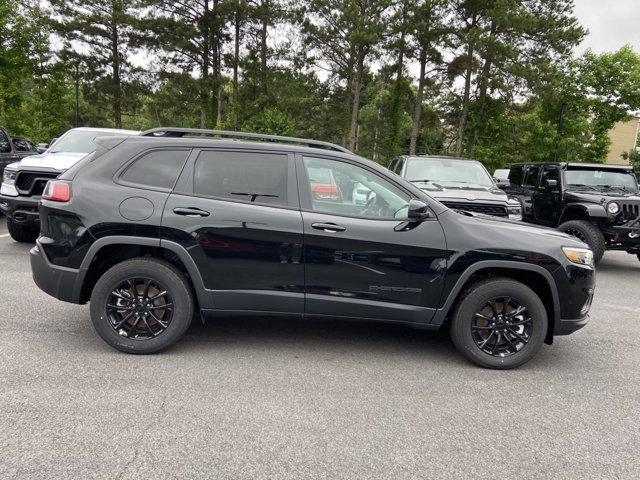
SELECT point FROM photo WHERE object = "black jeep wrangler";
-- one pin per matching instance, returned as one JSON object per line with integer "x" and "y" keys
{"x": 597, "y": 203}
{"x": 153, "y": 228}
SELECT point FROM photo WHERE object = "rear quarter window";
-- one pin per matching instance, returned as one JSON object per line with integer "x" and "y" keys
{"x": 158, "y": 168}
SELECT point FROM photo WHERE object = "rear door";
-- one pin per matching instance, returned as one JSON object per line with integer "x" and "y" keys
{"x": 365, "y": 260}
{"x": 237, "y": 214}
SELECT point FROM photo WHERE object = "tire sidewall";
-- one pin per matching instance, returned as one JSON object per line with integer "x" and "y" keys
{"x": 475, "y": 300}
{"x": 592, "y": 234}
{"x": 170, "y": 280}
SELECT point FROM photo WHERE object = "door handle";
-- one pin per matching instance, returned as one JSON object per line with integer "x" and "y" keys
{"x": 191, "y": 212}
{"x": 328, "y": 227}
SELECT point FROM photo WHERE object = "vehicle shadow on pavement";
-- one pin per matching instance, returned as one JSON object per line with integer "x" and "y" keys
{"x": 312, "y": 334}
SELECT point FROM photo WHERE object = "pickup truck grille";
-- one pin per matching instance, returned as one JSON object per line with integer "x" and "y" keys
{"x": 631, "y": 211}
{"x": 33, "y": 183}
{"x": 486, "y": 208}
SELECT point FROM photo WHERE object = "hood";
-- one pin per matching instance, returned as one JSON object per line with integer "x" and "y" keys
{"x": 520, "y": 229}
{"x": 60, "y": 161}
{"x": 463, "y": 194}
{"x": 600, "y": 196}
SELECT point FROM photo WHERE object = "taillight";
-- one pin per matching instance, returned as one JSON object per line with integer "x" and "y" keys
{"x": 57, "y": 191}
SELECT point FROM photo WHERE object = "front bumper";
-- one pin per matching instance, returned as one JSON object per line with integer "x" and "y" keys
{"x": 22, "y": 210}
{"x": 566, "y": 327}
{"x": 59, "y": 282}
{"x": 628, "y": 233}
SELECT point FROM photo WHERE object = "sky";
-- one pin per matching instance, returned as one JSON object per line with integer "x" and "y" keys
{"x": 611, "y": 24}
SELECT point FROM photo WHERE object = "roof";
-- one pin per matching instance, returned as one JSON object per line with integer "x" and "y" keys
{"x": 107, "y": 130}
{"x": 601, "y": 166}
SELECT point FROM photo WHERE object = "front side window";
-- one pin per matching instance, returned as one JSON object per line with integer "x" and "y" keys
{"x": 448, "y": 172}
{"x": 249, "y": 177}
{"x": 5, "y": 146}
{"x": 531, "y": 176}
{"x": 158, "y": 168}
{"x": 515, "y": 175}
{"x": 22, "y": 145}
{"x": 345, "y": 189}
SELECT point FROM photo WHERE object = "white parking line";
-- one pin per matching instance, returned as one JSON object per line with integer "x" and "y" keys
{"x": 5, "y": 235}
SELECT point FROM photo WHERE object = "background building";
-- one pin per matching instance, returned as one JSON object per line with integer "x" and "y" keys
{"x": 623, "y": 138}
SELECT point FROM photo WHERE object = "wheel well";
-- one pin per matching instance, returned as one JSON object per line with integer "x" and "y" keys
{"x": 110, "y": 255}
{"x": 536, "y": 281}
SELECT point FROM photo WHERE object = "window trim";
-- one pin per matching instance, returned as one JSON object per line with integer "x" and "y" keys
{"x": 185, "y": 184}
{"x": 305, "y": 193}
{"x": 117, "y": 176}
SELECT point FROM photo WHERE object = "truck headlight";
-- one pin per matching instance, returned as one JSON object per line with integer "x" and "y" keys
{"x": 9, "y": 176}
{"x": 515, "y": 212}
{"x": 579, "y": 256}
{"x": 613, "y": 208}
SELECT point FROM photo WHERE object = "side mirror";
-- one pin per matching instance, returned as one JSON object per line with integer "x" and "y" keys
{"x": 418, "y": 210}
{"x": 551, "y": 184}
{"x": 41, "y": 149}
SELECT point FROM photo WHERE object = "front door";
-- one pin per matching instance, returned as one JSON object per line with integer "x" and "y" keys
{"x": 547, "y": 198}
{"x": 362, "y": 259}
{"x": 237, "y": 214}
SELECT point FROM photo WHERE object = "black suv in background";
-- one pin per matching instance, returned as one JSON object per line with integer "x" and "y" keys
{"x": 152, "y": 228}
{"x": 13, "y": 149}
{"x": 459, "y": 183}
{"x": 597, "y": 203}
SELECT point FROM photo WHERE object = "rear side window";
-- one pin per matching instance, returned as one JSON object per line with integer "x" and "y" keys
{"x": 250, "y": 177}
{"x": 158, "y": 168}
{"x": 515, "y": 175}
{"x": 5, "y": 146}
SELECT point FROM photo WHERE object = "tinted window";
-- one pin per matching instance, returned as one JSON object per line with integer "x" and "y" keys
{"x": 550, "y": 173}
{"x": 515, "y": 175}
{"x": 22, "y": 145}
{"x": 531, "y": 176}
{"x": 159, "y": 168}
{"x": 5, "y": 146}
{"x": 345, "y": 189}
{"x": 252, "y": 177}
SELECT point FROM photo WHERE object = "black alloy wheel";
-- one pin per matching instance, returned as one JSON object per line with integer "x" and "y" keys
{"x": 139, "y": 308}
{"x": 502, "y": 327}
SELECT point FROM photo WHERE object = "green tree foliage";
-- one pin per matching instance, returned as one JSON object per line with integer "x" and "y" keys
{"x": 495, "y": 80}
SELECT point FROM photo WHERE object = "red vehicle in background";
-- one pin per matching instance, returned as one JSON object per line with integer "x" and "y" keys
{"x": 323, "y": 185}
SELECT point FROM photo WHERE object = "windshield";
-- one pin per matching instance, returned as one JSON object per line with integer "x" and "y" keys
{"x": 80, "y": 141}
{"x": 601, "y": 178}
{"x": 449, "y": 172}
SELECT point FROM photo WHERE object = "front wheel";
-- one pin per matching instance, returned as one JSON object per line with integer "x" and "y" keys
{"x": 499, "y": 323}
{"x": 589, "y": 234}
{"x": 142, "y": 305}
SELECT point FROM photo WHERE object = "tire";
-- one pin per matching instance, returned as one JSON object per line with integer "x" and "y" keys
{"x": 22, "y": 233}
{"x": 162, "y": 276}
{"x": 468, "y": 340}
{"x": 588, "y": 233}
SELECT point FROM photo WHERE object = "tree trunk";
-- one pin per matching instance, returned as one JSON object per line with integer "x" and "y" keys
{"x": 236, "y": 61}
{"x": 115, "y": 65}
{"x": 263, "y": 45}
{"x": 355, "y": 109}
{"x": 204, "y": 54}
{"x": 417, "y": 109}
{"x": 464, "y": 113}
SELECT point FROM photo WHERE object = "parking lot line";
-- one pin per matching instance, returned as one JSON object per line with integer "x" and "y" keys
{"x": 5, "y": 235}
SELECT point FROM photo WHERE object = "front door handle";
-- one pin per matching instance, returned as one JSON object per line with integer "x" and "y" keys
{"x": 328, "y": 227}
{"x": 190, "y": 212}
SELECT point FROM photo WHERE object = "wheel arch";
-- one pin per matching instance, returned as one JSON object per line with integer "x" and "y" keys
{"x": 582, "y": 211}
{"x": 108, "y": 251}
{"x": 536, "y": 277}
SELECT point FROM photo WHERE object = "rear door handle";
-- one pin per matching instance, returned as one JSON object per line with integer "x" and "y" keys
{"x": 190, "y": 212}
{"x": 328, "y": 227}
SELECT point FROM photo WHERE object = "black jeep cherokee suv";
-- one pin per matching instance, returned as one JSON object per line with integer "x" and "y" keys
{"x": 597, "y": 203}
{"x": 152, "y": 228}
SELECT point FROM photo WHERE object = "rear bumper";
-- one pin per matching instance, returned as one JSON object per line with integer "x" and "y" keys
{"x": 59, "y": 282}
{"x": 566, "y": 327}
{"x": 22, "y": 210}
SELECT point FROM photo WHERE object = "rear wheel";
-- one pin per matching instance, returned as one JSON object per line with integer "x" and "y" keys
{"x": 22, "y": 233}
{"x": 589, "y": 234}
{"x": 499, "y": 323}
{"x": 142, "y": 305}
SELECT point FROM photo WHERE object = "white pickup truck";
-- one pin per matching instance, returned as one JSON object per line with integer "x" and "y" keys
{"x": 23, "y": 182}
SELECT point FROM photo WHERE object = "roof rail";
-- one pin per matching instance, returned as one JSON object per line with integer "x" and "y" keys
{"x": 182, "y": 132}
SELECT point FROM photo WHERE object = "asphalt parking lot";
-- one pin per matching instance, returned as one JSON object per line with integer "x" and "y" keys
{"x": 264, "y": 398}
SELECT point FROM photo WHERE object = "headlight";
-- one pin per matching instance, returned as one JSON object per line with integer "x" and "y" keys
{"x": 579, "y": 256}
{"x": 613, "y": 208}
{"x": 9, "y": 176}
{"x": 515, "y": 212}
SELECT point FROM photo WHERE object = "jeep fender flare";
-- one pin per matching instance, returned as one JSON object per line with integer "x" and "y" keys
{"x": 588, "y": 210}
{"x": 205, "y": 299}
{"x": 441, "y": 314}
